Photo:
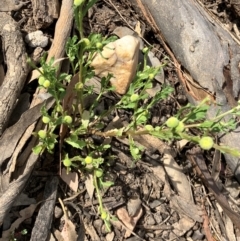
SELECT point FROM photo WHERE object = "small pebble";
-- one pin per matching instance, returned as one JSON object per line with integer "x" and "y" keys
{"x": 197, "y": 235}
{"x": 36, "y": 39}
{"x": 57, "y": 212}
{"x": 133, "y": 206}
{"x": 150, "y": 220}
{"x": 158, "y": 218}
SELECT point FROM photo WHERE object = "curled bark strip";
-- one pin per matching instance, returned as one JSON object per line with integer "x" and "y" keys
{"x": 17, "y": 69}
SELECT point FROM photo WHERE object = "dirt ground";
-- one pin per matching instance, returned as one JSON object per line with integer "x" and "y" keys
{"x": 142, "y": 194}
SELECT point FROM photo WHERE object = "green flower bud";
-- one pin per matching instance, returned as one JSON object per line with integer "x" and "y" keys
{"x": 149, "y": 128}
{"x": 41, "y": 80}
{"x": 99, "y": 45}
{"x": 134, "y": 97}
{"x": 172, "y": 122}
{"x": 136, "y": 151}
{"x": 42, "y": 134}
{"x": 85, "y": 41}
{"x": 78, "y": 2}
{"x": 46, "y": 84}
{"x": 51, "y": 146}
{"x": 45, "y": 119}
{"x": 67, "y": 162}
{"x": 59, "y": 108}
{"x": 206, "y": 142}
{"x": 88, "y": 160}
{"x": 180, "y": 127}
{"x": 67, "y": 119}
{"x": 79, "y": 86}
{"x": 98, "y": 172}
{"x": 104, "y": 215}
{"x": 145, "y": 50}
{"x": 151, "y": 76}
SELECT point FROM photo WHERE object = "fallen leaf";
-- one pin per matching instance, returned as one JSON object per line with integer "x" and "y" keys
{"x": 138, "y": 28}
{"x": 71, "y": 179}
{"x": 110, "y": 236}
{"x": 133, "y": 206}
{"x": 68, "y": 231}
{"x": 177, "y": 177}
{"x": 58, "y": 235}
{"x": 129, "y": 222}
{"x": 182, "y": 226}
{"x": 229, "y": 229}
{"x": 89, "y": 185}
{"x": 181, "y": 144}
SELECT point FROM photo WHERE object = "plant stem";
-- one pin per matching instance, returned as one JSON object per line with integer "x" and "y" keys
{"x": 95, "y": 183}
{"x": 226, "y": 113}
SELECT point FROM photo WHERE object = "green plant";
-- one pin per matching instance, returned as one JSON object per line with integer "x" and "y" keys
{"x": 83, "y": 123}
{"x": 17, "y": 235}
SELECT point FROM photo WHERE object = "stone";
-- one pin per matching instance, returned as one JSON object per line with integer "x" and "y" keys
{"x": 36, "y": 39}
{"x": 120, "y": 58}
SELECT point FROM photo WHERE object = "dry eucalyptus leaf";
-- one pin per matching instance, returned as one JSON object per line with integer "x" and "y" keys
{"x": 58, "y": 235}
{"x": 229, "y": 229}
{"x": 68, "y": 231}
{"x": 182, "y": 226}
{"x": 155, "y": 62}
{"x": 89, "y": 185}
{"x": 70, "y": 178}
{"x": 185, "y": 207}
{"x": 177, "y": 177}
{"x": 11, "y": 136}
{"x": 90, "y": 230}
{"x": 133, "y": 206}
{"x": 110, "y": 236}
{"x": 138, "y": 28}
{"x": 181, "y": 144}
{"x": 129, "y": 222}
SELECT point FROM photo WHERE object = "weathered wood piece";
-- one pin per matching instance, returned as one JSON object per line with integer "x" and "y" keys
{"x": 10, "y": 5}
{"x": 44, "y": 12}
{"x": 44, "y": 219}
{"x": 17, "y": 68}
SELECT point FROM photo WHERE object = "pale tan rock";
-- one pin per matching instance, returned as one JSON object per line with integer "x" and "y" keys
{"x": 119, "y": 58}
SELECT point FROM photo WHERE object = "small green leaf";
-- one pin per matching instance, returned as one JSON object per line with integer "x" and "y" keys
{"x": 107, "y": 184}
{"x": 37, "y": 149}
{"x": 85, "y": 118}
{"x": 135, "y": 151}
{"x": 119, "y": 132}
{"x": 79, "y": 144}
{"x": 141, "y": 120}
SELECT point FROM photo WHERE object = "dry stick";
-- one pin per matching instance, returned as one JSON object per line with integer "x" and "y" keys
{"x": 206, "y": 224}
